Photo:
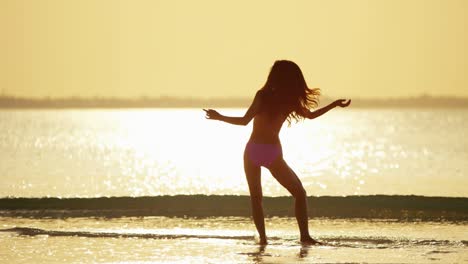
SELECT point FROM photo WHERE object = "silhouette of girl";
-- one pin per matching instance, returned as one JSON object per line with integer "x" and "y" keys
{"x": 285, "y": 96}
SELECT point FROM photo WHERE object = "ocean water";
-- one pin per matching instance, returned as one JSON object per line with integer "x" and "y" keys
{"x": 167, "y": 186}
{"x": 92, "y": 153}
{"x": 227, "y": 240}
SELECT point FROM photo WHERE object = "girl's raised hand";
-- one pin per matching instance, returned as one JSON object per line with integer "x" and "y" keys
{"x": 212, "y": 114}
{"x": 343, "y": 102}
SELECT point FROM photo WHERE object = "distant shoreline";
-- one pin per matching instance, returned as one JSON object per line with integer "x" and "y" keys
{"x": 11, "y": 102}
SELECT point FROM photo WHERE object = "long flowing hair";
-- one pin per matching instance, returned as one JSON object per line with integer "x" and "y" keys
{"x": 286, "y": 92}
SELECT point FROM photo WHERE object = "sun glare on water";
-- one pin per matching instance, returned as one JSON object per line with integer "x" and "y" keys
{"x": 177, "y": 152}
{"x": 149, "y": 152}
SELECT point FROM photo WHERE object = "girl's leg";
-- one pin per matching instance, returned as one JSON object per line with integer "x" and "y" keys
{"x": 252, "y": 172}
{"x": 289, "y": 180}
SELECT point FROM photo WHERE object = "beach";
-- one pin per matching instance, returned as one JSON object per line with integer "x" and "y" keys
{"x": 178, "y": 131}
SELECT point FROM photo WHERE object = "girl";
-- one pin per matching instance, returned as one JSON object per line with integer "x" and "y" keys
{"x": 285, "y": 96}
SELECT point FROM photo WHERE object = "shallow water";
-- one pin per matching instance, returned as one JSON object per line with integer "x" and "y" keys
{"x": 76, "y": 153}
{"x": 227, "y": 240}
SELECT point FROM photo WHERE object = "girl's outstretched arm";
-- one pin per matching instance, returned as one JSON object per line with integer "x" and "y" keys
{"x": 251, "y": 112}
{"x": 323, "y": 110}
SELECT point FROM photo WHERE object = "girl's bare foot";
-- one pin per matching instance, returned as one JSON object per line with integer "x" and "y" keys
{"x": 263, "y": 241}
{"x": 310, "y": 241}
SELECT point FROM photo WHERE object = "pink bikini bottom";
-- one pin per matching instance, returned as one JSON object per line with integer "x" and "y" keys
{"x": 263, "y": 154}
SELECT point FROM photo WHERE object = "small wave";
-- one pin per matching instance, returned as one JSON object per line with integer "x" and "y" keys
{"x": 28, "y": 231}
{"x": 362, "y": 240}
{"x": 439, "y": 252}
{"x": 385, "y": 242}
{"x": 338, "y": 241}
{"x": 399, "y": 207}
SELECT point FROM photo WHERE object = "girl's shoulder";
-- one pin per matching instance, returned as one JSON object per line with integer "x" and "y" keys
{"x": 263, "y": 96}
{"x": 259, "y": 95}
{"x": 262, "y": 93}
{"x": 260, "y": 98}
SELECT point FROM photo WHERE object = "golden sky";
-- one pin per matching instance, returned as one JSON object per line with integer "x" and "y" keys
{"x": 216, "y": 48}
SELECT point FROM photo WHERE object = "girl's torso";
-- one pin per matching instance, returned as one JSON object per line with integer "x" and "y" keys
{"x": 264, "y": 146}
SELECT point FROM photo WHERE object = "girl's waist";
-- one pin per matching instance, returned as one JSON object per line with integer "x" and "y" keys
{"x": 264, "y": 141}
